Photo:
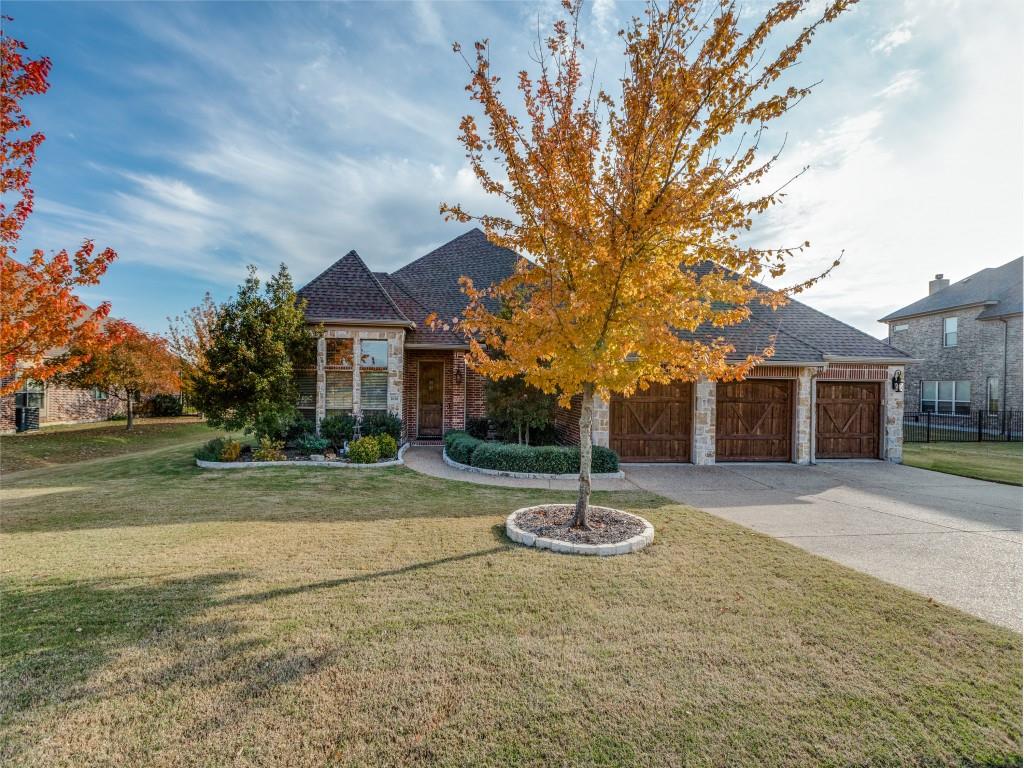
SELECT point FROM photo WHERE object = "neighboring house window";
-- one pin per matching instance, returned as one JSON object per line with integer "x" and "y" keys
{"x": 900, "y": 327}
{"x": 993, "y": 394}
{"x": 31, "y": 395}
{"x": 946, "y": 397}
{"x": 99, "y": 394}
{"x": 373, "y": 375}
{"x": 949, "y": 334}
{"x": 338, "y": 376}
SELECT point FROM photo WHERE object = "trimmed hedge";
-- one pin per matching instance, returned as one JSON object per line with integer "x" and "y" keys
{"x": 510, "y": 457}
{"x": 460, "y": 446}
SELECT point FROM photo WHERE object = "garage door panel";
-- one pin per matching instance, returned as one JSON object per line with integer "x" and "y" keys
{"x": 847, "y": 419}
{"x": 653, "y": 425}
{"x": 754, "y": 420}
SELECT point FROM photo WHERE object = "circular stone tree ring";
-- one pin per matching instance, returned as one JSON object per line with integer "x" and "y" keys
{"x": 546, "y": 526}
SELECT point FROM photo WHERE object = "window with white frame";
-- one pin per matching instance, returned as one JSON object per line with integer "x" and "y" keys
{"x": 949, "y": 332}
{"x": 946, "y": 397}
{"x": 31, "y": 395}
{"x": 373, "y": 375}
{"x": 99, "y": 394}
{"x": 338, "y": 376}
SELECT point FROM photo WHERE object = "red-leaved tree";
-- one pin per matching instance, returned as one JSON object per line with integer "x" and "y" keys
{"x": 40, "y": 314}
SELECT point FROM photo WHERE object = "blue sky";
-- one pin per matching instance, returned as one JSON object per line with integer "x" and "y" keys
{"x": 198, "y": 138}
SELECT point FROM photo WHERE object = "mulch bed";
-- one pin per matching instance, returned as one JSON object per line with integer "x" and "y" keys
{"x": 608, "y": 526}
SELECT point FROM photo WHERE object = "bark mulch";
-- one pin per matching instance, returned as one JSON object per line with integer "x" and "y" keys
{"x": 607, "y": 526}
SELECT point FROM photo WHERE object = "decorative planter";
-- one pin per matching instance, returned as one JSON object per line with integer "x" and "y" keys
{"x": 529, "y": 539}
{"x": 528, "y": 475}
{"x": 396, "y": 462}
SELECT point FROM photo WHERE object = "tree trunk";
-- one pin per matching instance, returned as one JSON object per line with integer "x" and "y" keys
{"x": 519, "y": 432}
{"x": 131, "y": 412}
{"x": 527, "y": 434}
{"x": 586, "y": 442}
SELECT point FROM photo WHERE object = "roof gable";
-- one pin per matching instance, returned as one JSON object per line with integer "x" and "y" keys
{"x": 1000, "y": 287}
{"x": 347, "y": 290}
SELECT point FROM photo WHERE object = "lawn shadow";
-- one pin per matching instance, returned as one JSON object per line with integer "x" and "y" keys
{"x": 55, "y": 636}
{"x": 270, "y": 594}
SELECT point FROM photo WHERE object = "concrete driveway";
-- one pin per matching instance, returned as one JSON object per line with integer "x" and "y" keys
{"x": 951, "y": 538}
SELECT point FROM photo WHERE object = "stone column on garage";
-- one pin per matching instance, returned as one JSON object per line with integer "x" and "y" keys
{"x": 802, "y": 452}
{"x": 892, "y": 419}
{"x": 703, "y": 447}
{"x": 600, "y": 429}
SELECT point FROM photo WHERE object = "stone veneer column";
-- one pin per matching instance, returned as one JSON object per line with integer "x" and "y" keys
{"x": 356, "y": 383}
{"x": 600, "y": 431}
{"x": 396, "y": 371}
{"x": 321, "y": 381}
{"x": 802, "y": 455}
{"x": 704, "y": 398}
{"x": 892, "y": 430}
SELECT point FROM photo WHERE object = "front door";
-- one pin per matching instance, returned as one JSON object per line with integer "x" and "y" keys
{"x": 431, "y": 410}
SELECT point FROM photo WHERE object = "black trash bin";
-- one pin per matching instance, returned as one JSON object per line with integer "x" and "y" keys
{"x": 25, "y": 418}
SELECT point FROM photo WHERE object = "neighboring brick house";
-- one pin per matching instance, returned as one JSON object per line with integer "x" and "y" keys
{"x": 967, "y": 338}
{"x": 826, "y": 393}
{"x": 58, "y": 405}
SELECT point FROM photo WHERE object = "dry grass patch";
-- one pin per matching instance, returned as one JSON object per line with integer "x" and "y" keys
{"x": 157, "y": 614}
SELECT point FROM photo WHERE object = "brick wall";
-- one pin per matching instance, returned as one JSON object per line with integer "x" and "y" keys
{"x": 476, "y": 398}
{"x": 567, "y": 422}
{"x": 977, "y": 356}
{"x": 63, "y": 405}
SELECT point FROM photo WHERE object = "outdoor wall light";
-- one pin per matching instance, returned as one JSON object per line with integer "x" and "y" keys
{"x": 897, "y": 381}
{"x": 458, "y": 377}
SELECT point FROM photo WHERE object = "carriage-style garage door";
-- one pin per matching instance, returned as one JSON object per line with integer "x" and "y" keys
{"x": 754, "y": 420}
{"x": 847, "y": 419}
{"x": 652, "y": 425}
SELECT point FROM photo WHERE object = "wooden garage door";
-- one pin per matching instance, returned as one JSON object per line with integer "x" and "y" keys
{"x": 754, "y": 421}
{"x": 652, "y": 425}
{"x": 847, "y": 419}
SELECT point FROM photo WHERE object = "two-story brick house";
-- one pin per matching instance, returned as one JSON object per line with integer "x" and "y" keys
{"x": 967, "y": 336}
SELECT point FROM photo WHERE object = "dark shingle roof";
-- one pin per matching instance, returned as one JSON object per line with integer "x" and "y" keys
{"x": 434, "y": 278}
{"x": 802, "y": 334}
{"x": 347, "y": 290}
{"x": 998, "y": 286}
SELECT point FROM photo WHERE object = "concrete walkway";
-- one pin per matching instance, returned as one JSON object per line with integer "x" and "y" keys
{"x": 951, "y": 538}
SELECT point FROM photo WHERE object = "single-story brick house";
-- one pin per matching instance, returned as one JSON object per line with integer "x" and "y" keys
{"x": 827, "y": 393}
{"x": 58, "y": 404}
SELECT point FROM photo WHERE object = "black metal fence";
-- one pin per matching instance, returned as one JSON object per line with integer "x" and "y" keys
{"x": 974, "y": 427}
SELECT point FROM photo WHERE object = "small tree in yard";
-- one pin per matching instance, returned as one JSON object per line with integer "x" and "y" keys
{"x": 619, "y": 199}
{"x": 512, "y": 401}
{"x": 190, "y": 337}
{"x": 40, "y": 312}
{"x": 133, "y": 364}
{"x": 245, "y": 379}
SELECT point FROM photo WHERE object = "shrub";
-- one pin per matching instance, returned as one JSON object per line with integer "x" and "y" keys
{"x": 269, "y": 450}
{"x": 478, "y": 428}
{"x": 388, "y": 446}
{"x": 512, "y": 457}
{"x": 338, "y": 429}
{"x": 163, "y": 405}
{"x": 212, "y": 450}
{"x": 311, "y": 443}
{"x": 460, "y": 446}
{"x": 230, "y": 451}
{"x": 365, "y": 450}
{"x": 381, "y": 423}
{"x": 297, "y": 428}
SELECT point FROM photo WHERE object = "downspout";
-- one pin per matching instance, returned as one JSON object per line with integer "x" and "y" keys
{"x": 1002, "y": 400}
{"x": 814, "y": 414}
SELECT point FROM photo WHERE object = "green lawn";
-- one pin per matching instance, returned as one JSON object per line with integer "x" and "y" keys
{"x": 1000, "y": 462}
{"x": 159, "y": 614}
{"x": 72, "y": 443}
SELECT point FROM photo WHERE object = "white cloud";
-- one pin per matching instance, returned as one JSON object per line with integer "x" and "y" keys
{"x": 899, "y": 35}
{"x": 904, "y": 82}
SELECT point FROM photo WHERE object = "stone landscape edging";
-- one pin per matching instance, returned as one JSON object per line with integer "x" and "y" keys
{"x": 396, "y": 462}
{"x": 527, "y": 475}
{"x": 528, "y": 539}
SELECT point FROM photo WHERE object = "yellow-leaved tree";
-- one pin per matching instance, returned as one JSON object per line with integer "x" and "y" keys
{"x": 622, "y": 201}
